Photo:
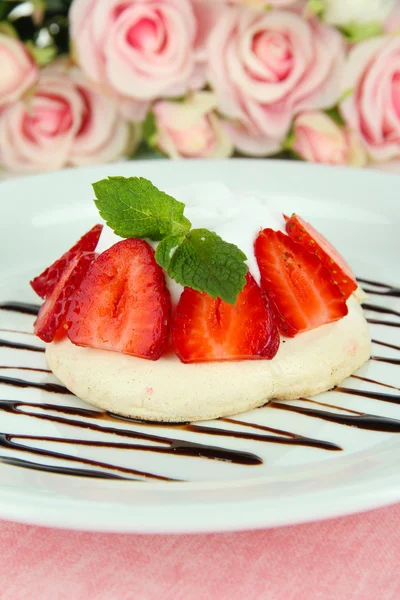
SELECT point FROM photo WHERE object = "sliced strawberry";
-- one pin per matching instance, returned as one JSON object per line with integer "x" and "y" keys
{"x": 313, "y": 241}
{"x": 54, "y": 310}
{"x": 45, "y": 283}
{"x": 123, "y": 303}
{"x": 208, "y": 329}
{"x": 299, "y": 286}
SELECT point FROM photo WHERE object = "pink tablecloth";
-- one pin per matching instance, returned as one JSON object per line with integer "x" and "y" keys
{"x": 353, "y": 558}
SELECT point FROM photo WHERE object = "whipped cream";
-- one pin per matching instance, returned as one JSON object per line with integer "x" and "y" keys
{"x": 236, "y": 216}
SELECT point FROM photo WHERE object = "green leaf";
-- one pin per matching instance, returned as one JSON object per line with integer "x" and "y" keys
{"x": 144, "y": 152}
{"x": 315, "y": 7}
{"x": 198, "y": 258}
{"x": 289, "y": 141}
{"x": 42, "y": 56}
{"x": 134, "y": 207}
{"x": 345, "y": 94}
{"x": 357, "y": 32}
{"x": 335, "y": 115}
{"x": 205, "y": 262}
{"x": 150, "y": 129}
{"x": 8, "y": 29}
{"x": 165, "y": 249}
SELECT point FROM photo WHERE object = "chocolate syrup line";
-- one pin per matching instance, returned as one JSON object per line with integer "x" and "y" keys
{"x": 392, "y": 346}
{"x": 391, "y": 398}
{"x": 362, "y": 421}
{"x": 25, "y": 369}
{"x": 375, "y": 283}
{"x": 385, "y": 290}
{"x": 297, "y": 440}
{"x": 21, "y": 307}
{"x": 27, "y": 464}
{"x": 294, "y": 436}
{"x": 380, "y": 309}
{"x": 385, "y": 323}
{"x": 178, "y": 446}
{"x": 6, "y": 442}
{"x": 54, "y": 388}
{"x": 18, "y": 346}
{"x": 17, "y": 331}
{"x": 287, "y": 441}
{"x": 367, "y": 380}
{"x": 342, "y": 408}
{"x": 257, "y": 426}
{"x": 386, "y": 359}
{"x": 393, "y": 292}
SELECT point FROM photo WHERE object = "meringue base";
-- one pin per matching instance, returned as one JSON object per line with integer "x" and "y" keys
{"x": 170, "y": 391}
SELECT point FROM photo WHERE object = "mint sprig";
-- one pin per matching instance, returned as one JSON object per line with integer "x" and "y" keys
{"x": 198, "y": 258}
{"x": 134, "y": 208}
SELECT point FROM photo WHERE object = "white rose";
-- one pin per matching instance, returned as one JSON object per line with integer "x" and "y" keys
{"x": 191, "y": 129}
{"x": 342, "y": 12}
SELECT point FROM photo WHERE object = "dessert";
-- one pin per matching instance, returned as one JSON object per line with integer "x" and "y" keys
{"x": 180, "y": 311}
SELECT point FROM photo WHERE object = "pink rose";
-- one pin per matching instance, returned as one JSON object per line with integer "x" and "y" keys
{"x": 143, "y": 49}
{"x": 267, "y": 66}
{"x": 373, "y": 108}
{"x": 18, "y": 70}
{"x": 65, "y": 122}
{"x": 318, "y": 139}
{"x": 191, "y": 129}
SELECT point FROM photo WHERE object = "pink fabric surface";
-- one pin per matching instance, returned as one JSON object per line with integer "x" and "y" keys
{"x": 351, "y": 558}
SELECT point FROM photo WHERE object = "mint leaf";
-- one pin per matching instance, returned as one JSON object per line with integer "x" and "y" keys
{"x": 134, "y": 207}
{"x": 205, "y": 262}
{"x": 165, "y": 249}
{"x": 198, "y": 258}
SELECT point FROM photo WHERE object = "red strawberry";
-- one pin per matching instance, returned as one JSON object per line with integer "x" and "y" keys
{"x": 208, "y": 329}
{"x": 313, "y": 241}
{"x": 300, "y": 287}
{"x": 45, "y": 283}
{"x": 53, "y": 311}
{"x": 123, "y": 303}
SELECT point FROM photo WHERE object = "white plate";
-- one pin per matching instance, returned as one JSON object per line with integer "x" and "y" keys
{"x": 44, "y": 215}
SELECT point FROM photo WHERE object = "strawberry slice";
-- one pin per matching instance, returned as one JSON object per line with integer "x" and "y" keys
{"x": 302, "y": 232}
{"x": 45, "y": 283}
{"x": 53, "y": 311}
{"x": 208, "y": 329}
{"x": 299, "y": 286}
{"x": 123, "y": 303}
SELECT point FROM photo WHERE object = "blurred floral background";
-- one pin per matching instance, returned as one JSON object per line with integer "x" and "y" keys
{"x": 88, "y": 81}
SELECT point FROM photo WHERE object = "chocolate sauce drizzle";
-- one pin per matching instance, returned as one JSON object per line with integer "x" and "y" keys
{"x": 360, "y": 420}
{"x": 384, "y": 323}
{"x": 380, "y": 309}
{"x": 386, "y": 345}
{"x": 45, "y": 387}
{"x": 18, "y": 346}
{"x": 136, "y": 432}
{"x": 383, "y": 288}
{"x": 21, "y": 307}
